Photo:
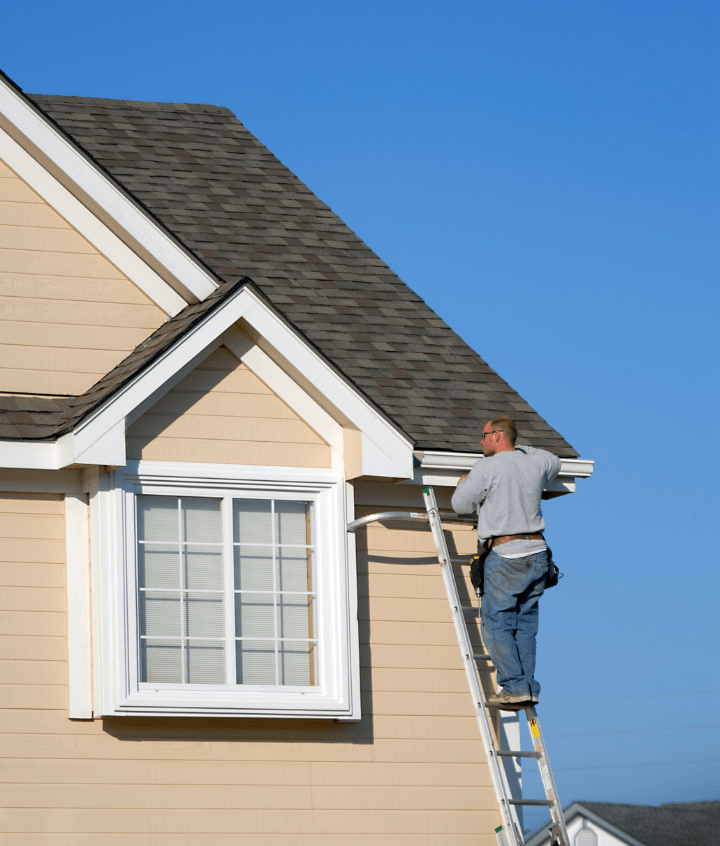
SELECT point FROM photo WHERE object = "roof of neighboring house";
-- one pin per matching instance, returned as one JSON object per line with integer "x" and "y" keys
{"x": 671, "y": 824}
{"x": 242, "y": 213}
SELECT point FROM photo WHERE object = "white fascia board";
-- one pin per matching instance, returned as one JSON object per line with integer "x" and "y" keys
{"x": 29, "y": 455}
{"x": 390, "y": 452}
{"x": 98, "y": 439}
{"x": 89, "y": 226}
{"x": 109, "y": 449}
{"x": 104, "y": 193}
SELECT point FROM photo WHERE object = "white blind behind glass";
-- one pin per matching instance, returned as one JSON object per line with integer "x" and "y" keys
{"x": 183, "y": 600}
{"x": 181, "y": 591}
{"x": 274, "y": 613}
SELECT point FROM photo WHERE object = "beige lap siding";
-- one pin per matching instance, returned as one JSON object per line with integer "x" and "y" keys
{"x": 223, "y": 413}
{"x": 411, "y": 773}
{"x": 67, "y": 315}
{"x": 33, "y": 640}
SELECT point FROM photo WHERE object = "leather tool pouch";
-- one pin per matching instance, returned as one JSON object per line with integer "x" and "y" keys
{"x": 553, "y": 575}
{"x": 477, "y": 570}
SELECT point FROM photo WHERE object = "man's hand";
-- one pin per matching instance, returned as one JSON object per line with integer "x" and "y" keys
{"x": 462, "y": 479}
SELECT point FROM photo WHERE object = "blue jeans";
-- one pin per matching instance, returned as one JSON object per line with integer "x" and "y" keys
{"x": 510, "y": 616}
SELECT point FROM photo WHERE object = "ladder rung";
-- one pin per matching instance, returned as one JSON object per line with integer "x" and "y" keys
{"x": 509, "y": 753}
{"x": 470, "y": 607}
{"x": 482, "y": 656}
{"x": 548, "y": 803}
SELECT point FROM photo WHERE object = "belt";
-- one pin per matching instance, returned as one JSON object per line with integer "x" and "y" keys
{"x": 506, "y": 538}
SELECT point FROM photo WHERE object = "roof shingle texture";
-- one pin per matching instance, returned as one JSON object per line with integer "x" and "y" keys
{"x": 38, "y": 418}
{"x": 224, "y": 196}
{"x": 673, "y": 824}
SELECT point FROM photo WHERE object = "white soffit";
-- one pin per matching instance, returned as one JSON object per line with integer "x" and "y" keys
{"x": 100, "y": 439}
{"x": 181, "y": 270}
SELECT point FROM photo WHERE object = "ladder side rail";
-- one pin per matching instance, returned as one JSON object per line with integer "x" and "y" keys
{"x": 546, "y": 775}
{"x": 508, "y": 813}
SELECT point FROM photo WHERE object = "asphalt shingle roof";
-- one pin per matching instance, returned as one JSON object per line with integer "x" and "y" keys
{"x": 45, "y": 418}
{"x": 672, "y": 824}
{"x": 227, "y": 199}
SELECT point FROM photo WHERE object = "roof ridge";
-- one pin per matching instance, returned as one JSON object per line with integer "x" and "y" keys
{"x": 203, "y": 108}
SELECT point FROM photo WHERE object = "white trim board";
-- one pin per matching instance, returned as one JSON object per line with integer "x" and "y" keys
{"x": 100, "y": 438}
{"x": 178, "y": 268}
{"x": 77, "y": 566}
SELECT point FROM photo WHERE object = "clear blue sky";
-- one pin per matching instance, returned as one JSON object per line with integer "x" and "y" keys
{"x": 546, "y": 176}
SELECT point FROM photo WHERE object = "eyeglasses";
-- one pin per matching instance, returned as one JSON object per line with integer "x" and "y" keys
{"x": 494, "y": 431}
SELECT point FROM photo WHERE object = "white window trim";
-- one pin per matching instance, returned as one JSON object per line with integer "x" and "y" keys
{"x": 337, "y": 694}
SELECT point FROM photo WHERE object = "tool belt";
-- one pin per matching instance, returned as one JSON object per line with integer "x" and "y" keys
{"x": 507, "y": 538}
{"x": 477, "y": 563}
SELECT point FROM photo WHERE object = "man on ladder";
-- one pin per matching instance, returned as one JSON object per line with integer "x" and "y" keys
{"x": 505, "y": 487}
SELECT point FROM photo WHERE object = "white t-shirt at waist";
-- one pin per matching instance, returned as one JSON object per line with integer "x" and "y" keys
{"x": 519, "y": 548}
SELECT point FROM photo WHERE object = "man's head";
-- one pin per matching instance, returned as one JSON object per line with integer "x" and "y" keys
{"x": 499, "y": 435}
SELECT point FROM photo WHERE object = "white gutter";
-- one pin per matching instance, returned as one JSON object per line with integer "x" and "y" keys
{"x": 463, "y": 461}
{"x": 445, "y": 468}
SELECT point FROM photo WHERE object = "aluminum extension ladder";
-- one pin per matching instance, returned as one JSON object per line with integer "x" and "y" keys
{"x": 510, "y": 832}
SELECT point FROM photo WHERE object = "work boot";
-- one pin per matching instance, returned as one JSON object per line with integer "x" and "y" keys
{"x": 511, "y": 701}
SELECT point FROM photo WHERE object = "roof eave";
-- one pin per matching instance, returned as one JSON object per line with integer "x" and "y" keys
{"x": 442, "y": 468}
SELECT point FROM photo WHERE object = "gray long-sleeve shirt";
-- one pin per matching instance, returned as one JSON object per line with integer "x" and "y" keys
{"x": 506, "y": 488}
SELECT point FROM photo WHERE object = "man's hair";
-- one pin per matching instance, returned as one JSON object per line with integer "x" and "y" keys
{"x": 506, "y": 426}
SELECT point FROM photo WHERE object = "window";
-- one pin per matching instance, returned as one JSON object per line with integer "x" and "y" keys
{"x": 233, "y": 589}
{"x": 214, "y": 610}
{"x": 586, "y": 837}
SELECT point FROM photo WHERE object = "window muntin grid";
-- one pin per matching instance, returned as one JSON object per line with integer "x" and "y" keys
{"x": 274, "y": 596}
{"x": 185, "y": 614}
{"x": 181, "y": 597}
